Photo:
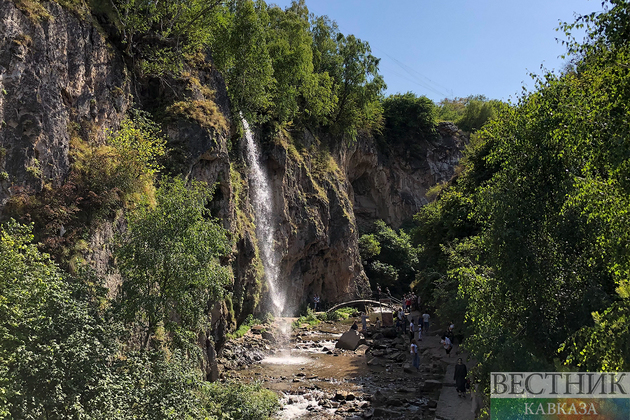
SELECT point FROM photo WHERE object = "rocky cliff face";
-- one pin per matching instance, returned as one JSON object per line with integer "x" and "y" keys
{"x": 61, "y": 74}
{"x": 52, "y": 73}
{"x": 394, "y": 188}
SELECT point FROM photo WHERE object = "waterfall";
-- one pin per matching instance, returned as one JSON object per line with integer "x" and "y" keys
{"x": 260, "y": 194}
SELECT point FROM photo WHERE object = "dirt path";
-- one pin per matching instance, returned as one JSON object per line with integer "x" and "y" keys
{"x": 450, "y": 405}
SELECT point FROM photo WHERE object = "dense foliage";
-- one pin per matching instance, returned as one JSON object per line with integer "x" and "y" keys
{"x": 528, "y": 245}
{"x": 469, "y": 113}
{"x": 64, "y": 352}
{"x": 290, "y": 66}
{"x": 407, "y": 120}
{"x": 169, "y": 262}
{"x": 286, "y": 66}
{"x": 103, "y": 178}
{"x": 389, "y": 258}
{"x": 66, "y": 349}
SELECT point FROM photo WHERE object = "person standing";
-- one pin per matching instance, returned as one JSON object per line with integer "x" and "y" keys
{"x": 446, "y": 343}
{"x": 315, "y": 302}
{"x": 411, "y": 330}
{"x": 415, "y": 357}
{"x": 450, "y": 332}
{"x": 364, "y": 319}
{"x": 425, "y": 318}
{"x": 460, "y": 378}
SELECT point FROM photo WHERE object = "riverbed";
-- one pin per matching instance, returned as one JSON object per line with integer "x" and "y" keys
{"x": 318, "y": 381}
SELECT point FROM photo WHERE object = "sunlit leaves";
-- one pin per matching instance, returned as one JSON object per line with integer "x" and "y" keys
{"x": 170, "y": 261}
{"x": 547, "y": 187}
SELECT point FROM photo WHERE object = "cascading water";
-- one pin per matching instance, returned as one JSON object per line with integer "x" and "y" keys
{"x": 263, "y": 211}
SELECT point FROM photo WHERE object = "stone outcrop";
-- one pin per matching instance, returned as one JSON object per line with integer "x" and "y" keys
{"x": 393, "y": 188}
{"x": 316, "y": 234}
{"x": 349, "y": 340}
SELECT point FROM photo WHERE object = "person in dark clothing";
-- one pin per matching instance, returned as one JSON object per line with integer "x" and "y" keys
{"x": 354, "y": 326}
{"x": 460, "y": 377}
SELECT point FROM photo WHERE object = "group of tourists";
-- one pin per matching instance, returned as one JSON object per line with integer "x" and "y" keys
{"x": 411, "y": 302}
{"x": 408, "y": 321}
{"x": 415, "y": 329}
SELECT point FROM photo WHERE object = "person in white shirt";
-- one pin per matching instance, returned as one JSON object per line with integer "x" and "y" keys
{"x": 415, "y": 357}
{"x": 446, "y": 343}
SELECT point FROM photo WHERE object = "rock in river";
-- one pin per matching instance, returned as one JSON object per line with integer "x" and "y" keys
{"x": 350, "y": 340}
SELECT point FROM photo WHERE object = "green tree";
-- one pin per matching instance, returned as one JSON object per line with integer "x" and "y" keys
{"x": 160, "y": 34}
{"x": 359, "y": 87}
{"x": 369, "y": 247}
{"x": 241, "y": 53}
{"x": 54, "y": 342}
{"x": 408, "y": 120}
{"x": 289, "y": 44}
{"x": 389, "y": 258}
{"x": 532, "y": 234}
{"x": 170, "y": 262}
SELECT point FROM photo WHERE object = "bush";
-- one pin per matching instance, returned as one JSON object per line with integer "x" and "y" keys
{"x": 338, "y": 315}
{"x": 310, "y": 318}
{"x": 239, "y": 401}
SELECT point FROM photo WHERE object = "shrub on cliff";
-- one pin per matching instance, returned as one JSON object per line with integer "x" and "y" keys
{"x": 408, "y": 120}
{"x": 469, "y": 113}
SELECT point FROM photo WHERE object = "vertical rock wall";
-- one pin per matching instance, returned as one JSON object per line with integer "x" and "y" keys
{"x": 52, "y": 73}
{"x": 393, "y": 188}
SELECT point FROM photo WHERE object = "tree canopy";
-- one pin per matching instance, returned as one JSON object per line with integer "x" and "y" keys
{"x": 169, "y": 260}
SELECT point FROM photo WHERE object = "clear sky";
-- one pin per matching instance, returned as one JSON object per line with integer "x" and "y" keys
{"x": 456, "y": 48}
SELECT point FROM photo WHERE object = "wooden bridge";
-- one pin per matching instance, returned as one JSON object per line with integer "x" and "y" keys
{"x": 388, "y": 305}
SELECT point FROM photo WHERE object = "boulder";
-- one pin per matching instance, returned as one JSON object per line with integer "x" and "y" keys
{"x": 268, "y": 336}
{"x": 389, "y": 333}
{"x": 430, "y": 385}
{"x": 361, "y": 349}
{"x": 350, "y": 340}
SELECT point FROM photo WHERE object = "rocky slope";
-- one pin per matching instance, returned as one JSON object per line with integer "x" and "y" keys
{"x": 62, "y": 74}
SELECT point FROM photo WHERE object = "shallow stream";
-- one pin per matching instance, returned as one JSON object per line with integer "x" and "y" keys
{"x": 315, "y": 380}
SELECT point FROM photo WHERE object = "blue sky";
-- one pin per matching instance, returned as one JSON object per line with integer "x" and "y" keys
{"x": 456, "y": 48}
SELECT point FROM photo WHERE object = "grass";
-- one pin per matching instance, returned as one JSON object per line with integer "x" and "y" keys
{"x": 204, "y": 112}
{"x": 338, "y": 315}
{"x": 310, "y": 318}
{"x": 246, "y": 326}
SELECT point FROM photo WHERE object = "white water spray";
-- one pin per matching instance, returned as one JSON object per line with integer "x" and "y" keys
{"x": 265, "y": 220}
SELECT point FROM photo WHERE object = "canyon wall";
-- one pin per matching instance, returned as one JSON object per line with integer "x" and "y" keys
{"x": 61, "y": 76}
